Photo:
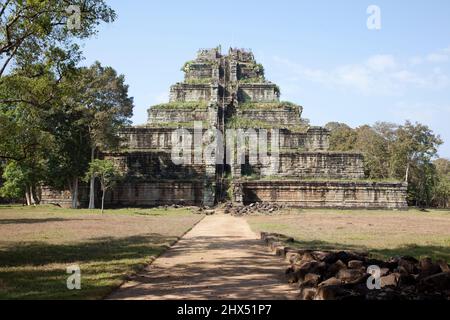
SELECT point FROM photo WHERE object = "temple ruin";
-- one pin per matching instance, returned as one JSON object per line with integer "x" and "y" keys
{"x": 230, "y": 91}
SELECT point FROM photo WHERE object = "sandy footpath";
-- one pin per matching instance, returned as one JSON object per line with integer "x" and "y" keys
{"x": 220, "y": 258}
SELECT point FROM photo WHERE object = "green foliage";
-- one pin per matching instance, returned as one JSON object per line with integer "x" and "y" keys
{"x": 252, "y": 80}
{"x": 108, "y": 174}
{"x": 246, "y": 123}
{"x": 187, "y": 66}
{"x": 441, "y": 193}
{"x": 106, "y": 171}
{"x": 269, "y": 106}
{"x": 15, "y": 181}
{"x": 32, "y": 31}
{"x": 277, "y": 90}
{"x": 259, "y": 69}
{"x": 403, "y": 152}
{"x": 343, "y": 138}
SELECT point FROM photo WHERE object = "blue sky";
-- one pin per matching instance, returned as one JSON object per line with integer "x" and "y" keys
{"x": 321, "y": 54}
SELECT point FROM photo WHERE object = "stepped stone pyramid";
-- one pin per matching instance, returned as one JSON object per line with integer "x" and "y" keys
{"x": 231, "y": 91}
{"x": 222, "y": 92}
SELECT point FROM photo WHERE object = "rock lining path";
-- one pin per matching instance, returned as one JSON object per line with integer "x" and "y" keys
{"x": 220, "y": 258}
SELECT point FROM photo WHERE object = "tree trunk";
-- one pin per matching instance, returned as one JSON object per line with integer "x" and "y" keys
{"x": 32, "y": 199}
{"x": 75, "y": 193}
{"x": 27, "y": 196}
{"x": 407, "y": 173}
{"x": 92, "y": 184}
{"x": 103, "y": 201}
{"x": 36, "y": 198}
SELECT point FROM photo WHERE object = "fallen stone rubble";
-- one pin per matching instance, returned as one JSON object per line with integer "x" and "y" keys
{"x": 330, "y": 275}
{"x": 260, "y": 207}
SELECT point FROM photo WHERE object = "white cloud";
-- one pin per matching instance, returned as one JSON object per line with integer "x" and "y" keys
{"x": 381, "y": 62}
{"x": 419, "y": 111}
{"x": 377, "y": 75}
{"x": 437, "y": 57}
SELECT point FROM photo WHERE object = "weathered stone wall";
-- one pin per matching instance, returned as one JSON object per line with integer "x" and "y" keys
{"x": 156, "y": 193}
{"x": 64, "y": 198}
{"x": 184, "y": 92}
{"x": 151, "y": 139}
{"x": 177, "y": 115}
{"x": 145, "y": 166}
{"x": 263, "y": 92}
{"x": 317, "y": 139}
{"x": 352, "y": 195}
{"x": 318, "y": 165}
{"x": 200, "y": 70}
{"x": 286, "y": 116}
{"x": 61, "y": 198}
{"x": 142, "y": 138}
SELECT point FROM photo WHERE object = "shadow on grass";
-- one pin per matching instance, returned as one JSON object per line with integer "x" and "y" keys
{"x": 34, "y": 221}
{"x": 38, "y": 270}
{"x": 418, "y": 251}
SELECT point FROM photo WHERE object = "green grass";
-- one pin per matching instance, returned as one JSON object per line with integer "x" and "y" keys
{"x": 268, "y": 106}
{"x": 38, "y": 244}
{"x": 238, "y": 122}
{"x": 384, "y": 234}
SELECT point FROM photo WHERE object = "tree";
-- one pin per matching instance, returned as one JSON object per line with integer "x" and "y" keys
{"x": 415, "y": 143}
{"x": 391, "y": 151}
{"x": 343, "y": 138}
{"x": 102, "y": 98}
{"x": 375, "y": 150}
{"x": 38, "y": 56}
{"x": 441, "y": 192}
{"x": 108, "y": 174}
{"x": 29, "y": 30}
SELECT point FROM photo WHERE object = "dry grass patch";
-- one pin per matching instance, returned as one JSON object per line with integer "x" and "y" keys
{"x": 38, "y": 244}
{"x": 383, "y": 233}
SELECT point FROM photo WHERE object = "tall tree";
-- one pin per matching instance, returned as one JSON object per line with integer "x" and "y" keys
{"x": 102, "y": 97}
{"x": 38, "y": 54}
{"x": 343, "y": 138}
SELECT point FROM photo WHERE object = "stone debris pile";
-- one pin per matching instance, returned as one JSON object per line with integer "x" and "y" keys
{"x": 254, "y": 208}
{"x": 330, "y": 275}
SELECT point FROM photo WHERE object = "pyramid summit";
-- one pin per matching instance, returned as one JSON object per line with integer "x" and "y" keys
{"x": 224, "y": 93}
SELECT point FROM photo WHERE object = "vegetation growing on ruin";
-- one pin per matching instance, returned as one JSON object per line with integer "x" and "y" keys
{"x": 175, "y": 124}
{"x": 187, "y": 66}
{"x": 197, "y": 105}
{"x": 252, "y": 80}
{"x": 277, "y": 90}
{"x": 199, "y": 81}
{"x": 269, "y": 106}
{"x": 237, "y": 122}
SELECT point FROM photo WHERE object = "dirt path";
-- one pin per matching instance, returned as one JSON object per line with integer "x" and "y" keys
{"x": 221, "y": 258}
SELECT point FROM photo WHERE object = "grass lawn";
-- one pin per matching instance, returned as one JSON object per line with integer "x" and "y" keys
{"x": 38, "y": 244}
{"x": 383, "y": 233}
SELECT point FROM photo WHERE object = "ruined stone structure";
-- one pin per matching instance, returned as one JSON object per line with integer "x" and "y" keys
{"x": 230, "y": 91}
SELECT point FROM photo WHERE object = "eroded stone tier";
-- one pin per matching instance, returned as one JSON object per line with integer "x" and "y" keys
{"x": 333, "y": 194}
